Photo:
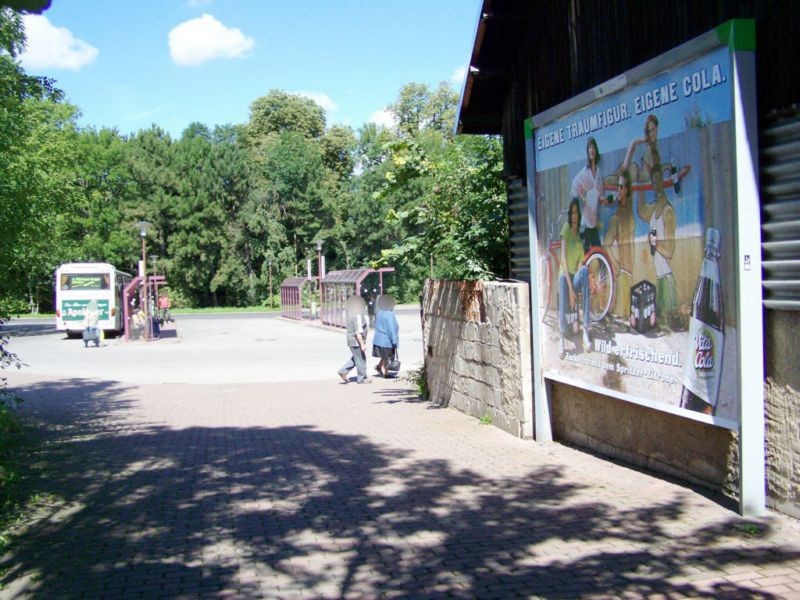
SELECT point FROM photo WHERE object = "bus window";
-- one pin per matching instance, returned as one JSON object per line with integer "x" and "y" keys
{"x": 85, "y": 282}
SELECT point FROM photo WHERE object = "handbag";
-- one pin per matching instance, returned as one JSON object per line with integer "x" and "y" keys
{"x": 393, "y": 364}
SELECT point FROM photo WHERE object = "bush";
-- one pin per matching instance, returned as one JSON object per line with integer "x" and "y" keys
{"x": 11, "y": 439}
{"x": 419, "y": 378}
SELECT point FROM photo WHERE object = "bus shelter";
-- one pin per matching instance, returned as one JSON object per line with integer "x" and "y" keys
{"x": 139, "y": 304}
{"x": 292, "y": 297}
{"x": 338, "y": 286}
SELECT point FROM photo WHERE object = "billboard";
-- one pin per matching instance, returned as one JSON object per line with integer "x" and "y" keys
{"x": 633, "y": 195}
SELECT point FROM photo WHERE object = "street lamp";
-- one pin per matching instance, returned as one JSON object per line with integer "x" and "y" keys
{"x": 143, "y": 227}
{"x": 153, "y": 258}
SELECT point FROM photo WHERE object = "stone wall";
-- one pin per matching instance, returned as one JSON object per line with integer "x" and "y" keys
{"x": 651, "y": 439}
{"x": 477, "y": 346}
{"x": 476, "y": 336}
{"x": 782, "y": 397}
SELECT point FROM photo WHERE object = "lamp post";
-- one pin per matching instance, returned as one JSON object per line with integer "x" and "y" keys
{"x": 153, "y": 258}
{"x": 319, "y": 271}
{"x": 143, "y": 227}
{"x": 271, "y": 298}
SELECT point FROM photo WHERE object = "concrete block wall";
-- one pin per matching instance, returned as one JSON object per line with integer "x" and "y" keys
{"x": 654, "y": 440}
{"x": 782, "y": 399}
{"x": 478, "y": 360}
{"x": 476, "y": 337}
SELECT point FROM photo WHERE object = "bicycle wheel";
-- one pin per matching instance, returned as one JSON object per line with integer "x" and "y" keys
{"x": 601, "y": 284}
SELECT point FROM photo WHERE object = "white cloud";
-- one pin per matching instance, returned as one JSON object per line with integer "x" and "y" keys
{"x": 51, "y": 47}
{"x": 383, "y": 118}
{"x": 458, "y": 76}
{"x": 202, "y": 39}
{"x": 322, "y": 99}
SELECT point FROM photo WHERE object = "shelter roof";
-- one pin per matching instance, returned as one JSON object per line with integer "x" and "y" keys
{"x": 347, "y": 276}
{"x": 294, "y": 282}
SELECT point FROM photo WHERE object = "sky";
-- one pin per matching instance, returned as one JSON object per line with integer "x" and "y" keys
{"x": 129, "y": 64}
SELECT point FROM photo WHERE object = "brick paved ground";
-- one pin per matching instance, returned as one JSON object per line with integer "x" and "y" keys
{"x": 325, "y": 490}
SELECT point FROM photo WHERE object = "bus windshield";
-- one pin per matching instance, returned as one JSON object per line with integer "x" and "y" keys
{"x": 85, "y": 281}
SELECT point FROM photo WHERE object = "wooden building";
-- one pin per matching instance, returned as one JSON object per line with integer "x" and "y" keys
{"x": 530, "y": 55}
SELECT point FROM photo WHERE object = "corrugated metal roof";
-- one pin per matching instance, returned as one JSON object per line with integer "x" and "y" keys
{"x": 347, "y": 276}
{"x": 294, "y": 282}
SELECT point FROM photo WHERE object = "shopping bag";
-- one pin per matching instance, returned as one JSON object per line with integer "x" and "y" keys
{"x": 393, "y": 364}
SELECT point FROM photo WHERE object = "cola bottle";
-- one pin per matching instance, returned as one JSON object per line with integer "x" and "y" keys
{"x": 703, "y": 366}
{"x": 676, "y": 182}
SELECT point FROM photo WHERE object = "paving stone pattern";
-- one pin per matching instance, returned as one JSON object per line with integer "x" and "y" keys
{"x": 325, "y": 490}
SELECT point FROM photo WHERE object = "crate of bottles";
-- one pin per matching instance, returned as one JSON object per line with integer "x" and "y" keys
{"x": 643, "y": 306}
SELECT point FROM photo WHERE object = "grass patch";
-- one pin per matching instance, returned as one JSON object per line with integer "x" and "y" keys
{"x": 19, "y": 445}
{"x": 178, "y": 311}
{"x": 486, "y": 419}
{"x": 750, "y": 529}
{"x": 418, "y": 378}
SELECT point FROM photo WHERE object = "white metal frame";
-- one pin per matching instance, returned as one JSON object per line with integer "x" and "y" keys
{"x": 752, "y": 482}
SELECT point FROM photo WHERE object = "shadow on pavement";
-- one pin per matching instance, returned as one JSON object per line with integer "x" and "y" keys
{"x": 402, "y": 393}
{"x": 19, "y": 329}
{"x": 193, "y": 512}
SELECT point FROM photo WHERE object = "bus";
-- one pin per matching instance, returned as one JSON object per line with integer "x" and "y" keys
{"x": 77, "y": 284}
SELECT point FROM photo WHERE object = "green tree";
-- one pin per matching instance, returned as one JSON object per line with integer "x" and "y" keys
{"x": 198, "y": 238}
{"x": 50, "y": 158}
{"x": 372, "y": 146}
{"x": 460, "y": 222}
{"x": 338, "y": 149}
{"x": 410, "y": 108}
{"x": 279, "y": 112}
{"x": 439, "y": 112}
{"x": 236, "y": 279}
{"x": 108, "y": 194}
{"x": 26, "y": 210}
{"x": 294, "y": 181}
{"x": 152, "y": 165}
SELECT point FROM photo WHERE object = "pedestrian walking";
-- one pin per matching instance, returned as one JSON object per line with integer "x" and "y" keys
{"x": 357, "y": 327}
{"x": 386, "y": 338}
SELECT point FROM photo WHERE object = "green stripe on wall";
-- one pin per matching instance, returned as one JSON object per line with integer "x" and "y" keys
{"x": 528, "y": 129}
{"x": 738, "y": 34}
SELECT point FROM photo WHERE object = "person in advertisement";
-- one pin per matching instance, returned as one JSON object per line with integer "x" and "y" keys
{"x": 660, "y": 217}
{"x": 588, "y": 186}
{"x": 574, "y": 277}
{"x": 620, "y": 232}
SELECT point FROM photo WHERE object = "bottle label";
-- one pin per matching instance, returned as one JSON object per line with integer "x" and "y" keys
{"x": 704, "y": 361}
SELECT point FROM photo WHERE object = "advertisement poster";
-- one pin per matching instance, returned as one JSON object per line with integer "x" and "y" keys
{"x": 75, "y": 310}
{"x": 635, "y": 203}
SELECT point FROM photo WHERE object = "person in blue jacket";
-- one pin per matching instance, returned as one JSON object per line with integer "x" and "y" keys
{"x": 386, "y": 338}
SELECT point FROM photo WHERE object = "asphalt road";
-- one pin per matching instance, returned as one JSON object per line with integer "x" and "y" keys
{"x": 208, "y": 348}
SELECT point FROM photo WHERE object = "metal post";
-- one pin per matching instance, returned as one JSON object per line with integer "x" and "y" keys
{"x": 153, "y": 259}
{"x": 145, "y": 302}
{"x": 319, "y": 273}
{"x": 271, "y": 299}
{"x": 143, "y": 226}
